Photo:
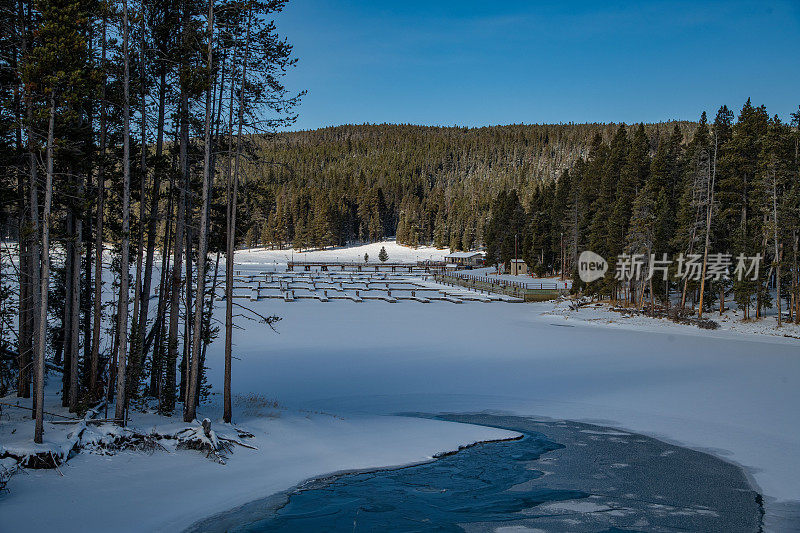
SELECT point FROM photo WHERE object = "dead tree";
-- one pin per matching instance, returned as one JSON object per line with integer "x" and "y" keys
{"x": 97, "y": 314}
{"x": 233, "y": 190}
{"x": 45, "y": 277}
{"x": 122, "y": 315}
{"x": 194, "y": 354}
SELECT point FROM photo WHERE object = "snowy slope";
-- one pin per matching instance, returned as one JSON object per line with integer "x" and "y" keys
{"x": 731, "y": 394}
{"x": 397, "y": 254}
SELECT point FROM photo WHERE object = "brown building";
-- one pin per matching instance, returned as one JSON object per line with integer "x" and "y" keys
{"x": 518, "y": 267}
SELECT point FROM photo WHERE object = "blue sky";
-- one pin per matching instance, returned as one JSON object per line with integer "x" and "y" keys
{"x": 478, "y": 63}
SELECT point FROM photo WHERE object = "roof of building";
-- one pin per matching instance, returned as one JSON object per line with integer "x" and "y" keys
{"x": 463, "y": 255}
{"x": 517, "y": 260}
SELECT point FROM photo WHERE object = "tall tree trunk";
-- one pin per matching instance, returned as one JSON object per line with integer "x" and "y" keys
{"x": 28, "y": 230}
{"x": 136, "y": 359}
{"x": 709, "y": 209}
{"x": 45, "y": 276}
{"x": 175, "y": 284}
{"x": 158, "y": 326}
{"x": 778, "y": 255}
{"x": 187, "y": 289}
{"x": 75, "y": 304}
{"x": 37, "y": 304}
{"x": 66, "y": 319}
{"x": 231, "y": 233}
{"x": 794, "y": 307}
{"x": 144, "y": 306}
{"x": 122, "y": 322}
{"x": 691, "y": 243}
{"x": 24, "y": 333}
{"x": 189, "y": 408}
{"x": 86, "y": 227}
{"x": 97, "y": 314}
{"x": 207, "y": 319}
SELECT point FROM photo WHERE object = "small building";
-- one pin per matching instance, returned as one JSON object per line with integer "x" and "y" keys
{"x": 518, "y": 267}
{"x": 465, "y": 259}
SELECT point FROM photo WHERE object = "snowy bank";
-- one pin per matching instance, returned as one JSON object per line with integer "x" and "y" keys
{"x": 170, "y": 490}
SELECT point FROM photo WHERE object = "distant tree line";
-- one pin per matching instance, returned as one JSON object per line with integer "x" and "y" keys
{"x": 362, "y": 183}
{"x": 729, "y": 187}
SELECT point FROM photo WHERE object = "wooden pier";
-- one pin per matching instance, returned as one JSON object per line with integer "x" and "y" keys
{"x": 526, "y": 291}
{"x": 407, "y": 284}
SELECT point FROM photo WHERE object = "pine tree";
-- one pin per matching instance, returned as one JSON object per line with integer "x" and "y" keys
{"x": 54, "y": 72}
{"x": 741, "y": 210}
{"x": 695, "y": 202}
{"x": 382, "y": 255}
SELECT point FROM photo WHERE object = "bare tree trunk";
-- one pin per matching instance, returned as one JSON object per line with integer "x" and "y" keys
{"x": 97, "y": 313}
{"x": 177, "y": 263}
{"x": 207, "y": 320}
{"x": 187, "y": 289}
{"x": 174, "y": 301}
{"x": 778, "y": 255}
{"x": 194, "y": 355}
{"x": 144, "y": 306}
{"x": 24, "y": 333}
{"x": 691, "y": 242}
{"x": 29, "y": 232}
{"x": 231, "y": 233}
{"x": 64, "y": 346}
{"x": 122, "y": 322}
{"x": 45, "y": 277}
{"x": 709, "y": 209}
{"x": 136, "y": 359}
{"x": 158, "y": 326}
{"x": 34, "y": 251}
{"x": 795, "y": 284}
{"x": 227, "y": 412}
{"x": 75, "y": 307}
{"x": 85, "y": 213}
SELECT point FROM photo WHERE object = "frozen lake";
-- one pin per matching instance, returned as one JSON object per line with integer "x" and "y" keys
{"x": 723, "y": 392}
{"x": 337, "y": 370}
{"x": 560, "y": 477}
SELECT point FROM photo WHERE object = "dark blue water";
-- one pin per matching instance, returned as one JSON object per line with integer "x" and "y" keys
{"x": 598, "y": 480}
{"x": 475, "y": 485}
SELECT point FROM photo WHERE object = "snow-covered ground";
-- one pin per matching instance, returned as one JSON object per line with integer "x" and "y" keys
{"x": 170, "y": 490}
{"x": 397, "y": 254}
{"x": 732, "y": 394}
{"x": 729, "y": 322}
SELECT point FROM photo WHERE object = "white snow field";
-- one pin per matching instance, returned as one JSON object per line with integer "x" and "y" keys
{"x": 397, "y": 253}
{"x": 731, "y": 394}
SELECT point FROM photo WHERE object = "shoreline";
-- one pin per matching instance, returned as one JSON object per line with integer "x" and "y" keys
{"x": 221, "y": 522}
{"x": 562, "y": 432}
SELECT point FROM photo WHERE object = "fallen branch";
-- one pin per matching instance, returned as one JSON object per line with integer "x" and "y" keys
{"x": 90, "y": 421}
{"x": 268, "y": 320}
{"x": 56, "y": 465}
{"x": 240, "y": 443}
{"x": 45, "y": 412}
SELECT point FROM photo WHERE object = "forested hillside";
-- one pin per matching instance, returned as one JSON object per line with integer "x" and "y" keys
{"x": 711, "y": 203}
{"x": 423, "y": 184}
{"x": 692, "y": 188}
